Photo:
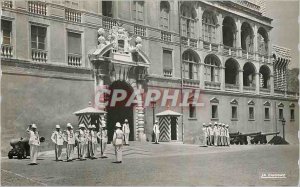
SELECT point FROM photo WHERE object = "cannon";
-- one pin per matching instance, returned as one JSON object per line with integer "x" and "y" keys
{"x": 20, "y": 148}
{"x": 261, "y": 138}
{"x": 239, "y": 138}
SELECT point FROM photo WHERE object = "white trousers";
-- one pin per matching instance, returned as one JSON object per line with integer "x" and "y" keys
{"x": 103, "y": 144}
{"x": 126, "y": 137}
{"x": 81, "y": 147}
{"x": 33, "y": 153}
{"x": 58, "y": 151}
{"x": 70, "y": 151}
{"x": 92, "y": 149}
{"x": 156, "y": 137}
{"x": 118, "y": 151}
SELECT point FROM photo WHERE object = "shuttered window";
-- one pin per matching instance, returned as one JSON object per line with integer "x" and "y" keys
{"x": 138, "y": 11}
{"x": 190, "y": 65}
{"x": 164, "y": 14}
{"x": 6, "y": 32}
{"x": 74, "y": 43}
{"x": 167, "y": 60}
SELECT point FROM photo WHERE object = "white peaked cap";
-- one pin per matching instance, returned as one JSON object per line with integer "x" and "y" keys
{"x": 33, "y": 126}
{"x": 57, "y": 126}
{"x": 94, "y": 126}
{"x": 81, "y": 125}
{"x": 69, "y": 125}
{"x": 118, "y": 124}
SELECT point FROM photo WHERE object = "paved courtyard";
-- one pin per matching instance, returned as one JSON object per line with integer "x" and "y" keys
{"x": 163, "y": 164}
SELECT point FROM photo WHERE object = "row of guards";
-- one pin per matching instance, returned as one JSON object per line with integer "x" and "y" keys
{"x": 91, "y": 115}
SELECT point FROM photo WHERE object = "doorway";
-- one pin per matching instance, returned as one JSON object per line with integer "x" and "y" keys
{"x": 119, "y": 112}
{"x": 173, "y": 128}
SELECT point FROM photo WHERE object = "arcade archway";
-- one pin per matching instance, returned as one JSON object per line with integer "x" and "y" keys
{"x": 119, "y": 112}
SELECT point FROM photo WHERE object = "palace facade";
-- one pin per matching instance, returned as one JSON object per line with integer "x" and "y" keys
{"x": 56, "y": 54}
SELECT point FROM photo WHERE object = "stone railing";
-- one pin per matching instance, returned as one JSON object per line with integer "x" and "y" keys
{"x": 166, "y": 36}
{"x": 249, "y": 5}
{"x": 263, "y": 58}
{"x": 231, "y": 87}
{"x": 212, "y": 85}
{"x": 108, "y": 22}
{"x": 249, "y": 88}
{"x": 279, "y": 92}
{"x": 72, "y": 15}
{"x": 37, "y": 7}
{"x": 247, "y": 54}
{"x": 139, "y": 30}
{"x": 168, "y": 73}
{"x": 74, "y": 59}
{"x": 189, "y": 42}
{"x": 39, "y": 55}
{"x": 229, "y": 51}
{"x": 265, "y": 90}
{"x": 6, "y": 51}
{"x": 191, "y": 82}
{"x": 7, "y": 4}
{"x": 210, "y": 46}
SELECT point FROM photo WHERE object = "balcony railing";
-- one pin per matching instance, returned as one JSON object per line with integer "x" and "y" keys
{"x": 247, "y": 54}
{"x": 72, "y": 15}
{"x": 7, "y": 4}
{"x": 166, "y": 36}
{"x": 212, "y": 85}
{"x": 189, "y": 42}
{"x": 249, "y": 88}
{"x": 168, "y": 73}
{"x": 229, "y": 51}
{"x": 265, "y": 90}
{"x": 279, "y": 92}
{"x": 191, "y": 82}
{"x": 74, "y": 59}
{"x": 231, "y": 87}
{"x": 6, "y": 51}
{"x": 108, "y": 22}
{"x": 37, "y": 7}
{"x": 139, "y": 30}
{"x": 39, "y": 55}
{"x": 263, "y": 58}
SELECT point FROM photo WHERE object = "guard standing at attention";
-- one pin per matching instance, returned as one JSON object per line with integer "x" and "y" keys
{"x": 81, "y": 139}
{"x": 70, "y": 139}
{"x": 205, "y": 133}
{"x": 126, "y": 131}
{"x": 58, "y": 140}
{"x": 34, "y": 143}
{"x": 227, "y": 135}
{"x": 102, "y": 135}
{"x": 118, "y": 142}
{"x": 156, "y": 131}
{"x": 216, "y": 134}
{"x": 93, "y": 142}
{"x": 211, "y": 134}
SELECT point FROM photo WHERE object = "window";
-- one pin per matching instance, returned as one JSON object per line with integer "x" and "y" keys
{"x": 234, "y": 112}
{"x": 192, "y": 111}
{"x": 138, "y": 11}
{"x": 190, "y": 65}
{"x": 267, "y": 113}
{"x": 292, "y": 114}
{"x": 212, "y": 69}
{"x": 38, "y": 37}
{"x": 164, "y": 14}
{"x": 6, "y": 32}
{"x": 167, "y": 60}
{"x": 280, "y": 113}
{"x": 107, "y": 8}
{"x": 188, "y": 19}
{"x": 74, "y": 43}
{"x": 214, "y": 111}
{"x": 251, "y": 113}
{"x": 209, "y": 27}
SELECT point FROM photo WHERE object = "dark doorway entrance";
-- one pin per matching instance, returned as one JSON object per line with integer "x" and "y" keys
{"x": 173, "y": 128}
{"x": 119, "y": 112}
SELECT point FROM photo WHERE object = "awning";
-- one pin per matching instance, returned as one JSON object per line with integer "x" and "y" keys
{"x": 168, "y": 113}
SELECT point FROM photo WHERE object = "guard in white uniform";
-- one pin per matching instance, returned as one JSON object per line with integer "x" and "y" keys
{"x": 227, "y": 135}
{"x": 102, "y": 135}
{"x": 156, "y": 131}
{"x": 81, "y": 139}
{"x": 118, "y": 142}
{"x": 34, "y": 143}
{"x": 93, "y": 142}
{"x": 222, "y": 134}
{"x": 58, "y": 139}
{"x": 211, "y": 135}
{"x": 126, "y": 131}
{"x": 216, "y": 134}
{"x": 205, "y": 133}
{"x": 70, "y": 139}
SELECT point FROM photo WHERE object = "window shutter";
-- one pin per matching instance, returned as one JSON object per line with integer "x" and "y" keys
{"x": 134, "y": 4}
{"x": 192, "y": 28}
{"x": 74, "y": 43}
{"x": 183, "y": 27}
{"x": 195, "y": 67}
{"x": 207, "y": 68}
{"x": 217, "y": 70}
{"x": 140, "y": 12}
{"x": 167, "y": 60}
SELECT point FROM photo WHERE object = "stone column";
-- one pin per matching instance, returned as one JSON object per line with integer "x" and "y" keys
{"x": 222, "y": 77}
{"x": 219, "y": 31}
{"x": 238, "y": 38}
{"x": 199, "y": 26}
{"x": 140, "y": 116}
{"x": 202, "y": 78}
{"x": 272, "y": 84}
{"x": 255, "y": 49}
{"x": 241, "y": 80}
{"x": 257, "y": 83}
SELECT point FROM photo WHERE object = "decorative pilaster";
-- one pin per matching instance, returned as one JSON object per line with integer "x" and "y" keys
{"x": 238, "y": 38}
{"x": 140, "y": 118}
{"x": 272, "y": 84}
{"x": 255, "y": 50}
{"x": 202, "y": 78}
{"x": 222, "y": 69}
{"x": 257, "y": 83}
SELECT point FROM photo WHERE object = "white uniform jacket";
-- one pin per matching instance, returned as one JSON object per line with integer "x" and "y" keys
{"x": 57, "y": 137}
